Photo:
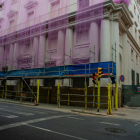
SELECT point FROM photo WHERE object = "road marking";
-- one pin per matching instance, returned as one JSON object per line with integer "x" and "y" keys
{"x": 32, "y": 109}
{"x": 17, "y": 112}
{"x": 110, "y": 123}
{"x": 10, "y": 117}
{"x": 75, "y": 118}
{"x": 30, "y": 121}
{"x": 56, "y": 132}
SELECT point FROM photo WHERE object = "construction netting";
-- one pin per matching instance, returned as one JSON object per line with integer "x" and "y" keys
{"x": 57, "y": 36}
{"x": 131, "y": 95}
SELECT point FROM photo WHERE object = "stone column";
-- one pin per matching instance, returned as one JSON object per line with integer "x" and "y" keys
{"x": 94, "y": 41}
{"x": 68, "y": 45}
{"x": 116, "y": 39}
{"x": 105, "y": 41}
{"x": 60, "y": 48}
{"x": 35, "y": 52}
{"x": 41, "y": 56}
{"x": 1, "y": 57}
{"x": 125, "y": 60}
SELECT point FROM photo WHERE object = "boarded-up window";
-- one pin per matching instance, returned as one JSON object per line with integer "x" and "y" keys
{"x": 133, "y": 77}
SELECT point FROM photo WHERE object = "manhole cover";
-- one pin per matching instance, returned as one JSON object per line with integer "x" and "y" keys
{"x": 115, "y": 130}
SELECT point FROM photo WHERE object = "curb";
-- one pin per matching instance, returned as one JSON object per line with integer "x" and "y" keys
{"x": 91, "y": 113}
{"x": 17, "y": 102}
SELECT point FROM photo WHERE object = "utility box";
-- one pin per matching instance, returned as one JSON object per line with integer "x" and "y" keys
{"x": 90, "y": 82}
{"x": 68, "y": 82}
{"x": 57, "y": 81}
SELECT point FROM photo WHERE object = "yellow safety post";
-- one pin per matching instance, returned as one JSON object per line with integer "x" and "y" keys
{"x": 5, "y": 90}
{"x": 37, "y": 91}
{"x": 85, "y": 95}
{"x": 32, "y": 94}
{"x": 48, "y": 94}
{"x": 98, "y": 107}
{"x": 109, "y": 111}
{"x": 21, "y": 91}
{"x": 116, "y": 96}
{"x": 93, "y": 95}
{"x": 68, "y": 99}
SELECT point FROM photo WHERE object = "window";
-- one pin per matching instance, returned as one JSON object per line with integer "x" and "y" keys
{"x": 11, "y": 23}
{"x": 120, "y": 38}
{"x": 136, "y": 34}
{"x": 83, "y": 3}
{"x": 137, "y": 79}
{"x": 137, "y": 59}
{"x": 133, "y": 77}
{"x": 132, "y": 53}
{"x": 31, "y": 15}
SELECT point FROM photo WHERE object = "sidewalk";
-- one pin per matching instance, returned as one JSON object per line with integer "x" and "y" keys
{"x": 125, "y": 112}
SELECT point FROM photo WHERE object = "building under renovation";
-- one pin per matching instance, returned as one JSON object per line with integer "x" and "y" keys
{"x": 46, "y": 43}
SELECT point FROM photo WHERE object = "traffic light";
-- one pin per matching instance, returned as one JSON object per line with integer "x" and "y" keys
{"x": 100, "y": 72}
{"x": 94, "y": 75}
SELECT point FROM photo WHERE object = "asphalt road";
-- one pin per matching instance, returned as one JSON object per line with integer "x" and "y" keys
{"x": 19, "y": 122}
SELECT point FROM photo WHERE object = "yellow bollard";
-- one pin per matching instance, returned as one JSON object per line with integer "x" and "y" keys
{"x": 48, "y": 94}
{"x": 5, "y": 90}
{"x": 109, "y": 111}
{"x": 21, "y": 91}
{"x": 85, "y": 95}
{"x": 68, "y": 99}
{"x": 116, "y": 96}
{"x": 93, "y": 96}
{"x": 37, "y": 91}
{"x": 98, "y": 108}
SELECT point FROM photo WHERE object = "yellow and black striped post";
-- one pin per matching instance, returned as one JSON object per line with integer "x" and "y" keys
{"x": 94, "y": 95}
{"x": 37, "y": 91}
{"x": 109, "y": 111}
{"x": 116, "y": 96}
{"x": 98, "y": 107}
{"x": 21, "y": 91}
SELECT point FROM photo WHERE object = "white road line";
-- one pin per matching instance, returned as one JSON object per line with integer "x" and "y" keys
{"x": 56, "y": 132}
{"x": 10, "y": 116}
{"x": 17, "y": 112}
{"x": 30, "y": 121}
{"x": 110, "y": 123}
{"x": 34, "y": 110}
{"x": 76, "y": 118}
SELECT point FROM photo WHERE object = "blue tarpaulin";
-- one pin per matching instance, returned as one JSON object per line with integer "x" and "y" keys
{"x": 108, "y": 67}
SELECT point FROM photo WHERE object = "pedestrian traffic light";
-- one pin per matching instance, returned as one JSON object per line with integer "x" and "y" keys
{"x": 94, "y": 75}
{"x": 100, "y": 72}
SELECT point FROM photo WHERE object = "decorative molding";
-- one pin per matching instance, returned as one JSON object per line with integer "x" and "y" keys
{"x": 54, "y": 1}
{"x": 12, "y": 14}
{"x": 14, "y": 1}
{"x": 31, "y": 4}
